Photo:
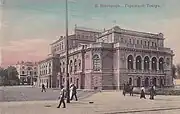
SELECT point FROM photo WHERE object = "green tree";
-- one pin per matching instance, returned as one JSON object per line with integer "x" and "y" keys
{"x": 9, "y": 76}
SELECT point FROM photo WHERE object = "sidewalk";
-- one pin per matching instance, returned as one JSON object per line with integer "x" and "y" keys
{"x": 104, "y": 102}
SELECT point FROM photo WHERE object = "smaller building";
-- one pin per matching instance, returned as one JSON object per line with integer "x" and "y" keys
{"x": 27, "y": 72}
{"x": 48, "y": 71}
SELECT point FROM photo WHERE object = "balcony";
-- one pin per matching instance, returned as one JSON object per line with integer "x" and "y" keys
{"x": 132, "y": 71}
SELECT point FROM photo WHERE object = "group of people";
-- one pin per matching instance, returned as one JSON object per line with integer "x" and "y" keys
{"x": 128, "y": 88}
{"x": 152, "y": 92}
{"x": 73, "y": 93}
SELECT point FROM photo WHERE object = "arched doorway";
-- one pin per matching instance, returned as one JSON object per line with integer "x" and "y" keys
{"x": 130, "y": 81}
{"x": 154, "y": 81}
{"x": 130, "y": 62}
{"x": 146, "y": 82}
{"x": 139, "y": 82}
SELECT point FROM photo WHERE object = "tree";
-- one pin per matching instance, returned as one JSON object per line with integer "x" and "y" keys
{"x": 178, "y": 70}
{"x": 9, "y": 76}
{"x": 174, "y": 71}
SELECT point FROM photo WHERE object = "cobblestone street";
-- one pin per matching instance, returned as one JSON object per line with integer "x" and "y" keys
{"x": 109, "y": 102}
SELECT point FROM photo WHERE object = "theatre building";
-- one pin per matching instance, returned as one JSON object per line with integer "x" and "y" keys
{"x": 109, "y": 58}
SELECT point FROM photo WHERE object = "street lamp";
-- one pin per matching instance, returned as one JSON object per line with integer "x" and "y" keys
{"x": 67, "y": 59}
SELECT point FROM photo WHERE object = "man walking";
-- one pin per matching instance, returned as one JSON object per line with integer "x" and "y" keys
{"x": 74, "y": 92}
{"x": 142, "y": 95}
{"x": 43, "y": 88}
{"x": 152, "y": 93}
{"x": 62, "y": 97}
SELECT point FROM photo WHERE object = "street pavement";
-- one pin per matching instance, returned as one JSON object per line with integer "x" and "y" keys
{"x": 20, "y": 93}
{"x": 106, "y": 102}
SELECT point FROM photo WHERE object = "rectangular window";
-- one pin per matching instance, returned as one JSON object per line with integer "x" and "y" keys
{"x": 137, "y": 41}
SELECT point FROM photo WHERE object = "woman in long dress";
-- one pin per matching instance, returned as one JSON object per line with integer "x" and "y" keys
{"x": 71, "y": 90}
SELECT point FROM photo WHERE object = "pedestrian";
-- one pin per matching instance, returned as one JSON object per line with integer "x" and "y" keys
{"x": 43, "y": 88}
{"x": 62, "y": 97}
{"x": 142, "y": 93}
{"x": 71, "y": 90}
{"x": 74, "y": 92}
{"x": 124, "y": 89}
{"x": 152, "y": 93}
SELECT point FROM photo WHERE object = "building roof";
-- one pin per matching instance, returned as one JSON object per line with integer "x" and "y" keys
{"x": 87, "y": 29}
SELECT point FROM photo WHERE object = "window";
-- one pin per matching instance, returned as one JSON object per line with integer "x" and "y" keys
{"x": 122, "y": 40}
{"x": 152, "y": 43}
{"x": 130, "y": 41}
{"x": 71, "y": 66}
{"x": 35, "y": 73}
{"x": 145, "y": 43}
{"x": 75, "y": 65}
{"x": 79, "y": 64}
{"x": 141, "y": 42}
{"x": 137, "y": 41}
{"x": 23, "y": 72}
{"x": 96, "y": 63}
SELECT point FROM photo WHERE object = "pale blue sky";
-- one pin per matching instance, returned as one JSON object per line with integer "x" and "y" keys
{"x": 44, "y": 20}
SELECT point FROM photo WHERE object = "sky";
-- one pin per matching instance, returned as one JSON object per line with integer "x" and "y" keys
{"x": 27, "y": 27}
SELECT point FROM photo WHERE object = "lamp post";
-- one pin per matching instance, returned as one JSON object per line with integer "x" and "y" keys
{"x": 67, "y": 59}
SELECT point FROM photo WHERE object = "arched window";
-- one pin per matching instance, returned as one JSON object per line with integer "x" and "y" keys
{"x": 130, "y": 81}
{"x": 154, "y": 81}
{"x": 63, "y": 67}
{"x": 130, "y": 62}
{"x": 96, "y": 63}
{"x": 154, "y": 64}
{"x": 60, "y": 67}
{"x": 146, "y": 63}
{"x": 139, "y": 82}
{"x": 75, "y": 65}
{"x": 147, "y": 82}
{"x": 138, "y": 62}
{"x": 161, "y": 62}
{"x": 79, "y": 64}
{"x": 71, "y": 66}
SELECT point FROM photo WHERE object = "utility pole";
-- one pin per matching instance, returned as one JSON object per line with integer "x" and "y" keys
{"x": 67, "y": 54}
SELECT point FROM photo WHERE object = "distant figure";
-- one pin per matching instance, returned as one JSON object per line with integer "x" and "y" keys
{"x": 152, "y": 93}
{"x": 74, "y": 92}
{"x": 124, "y": 89}
{"x": 131, "y": 90}
{"x": 62, "y": 97}
{"x": 142, "y": 93}
{"x": 43, "y": 88}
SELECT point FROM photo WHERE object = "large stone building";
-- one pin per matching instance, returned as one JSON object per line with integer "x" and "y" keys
{"x": 27, "y": 72}
{"x": 107, "y": 59}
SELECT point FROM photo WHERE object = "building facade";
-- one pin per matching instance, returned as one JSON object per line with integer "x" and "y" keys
{"x": 47, "y": 72}
{"x": 107, "y": 59}
{"x": 27, "y": 72}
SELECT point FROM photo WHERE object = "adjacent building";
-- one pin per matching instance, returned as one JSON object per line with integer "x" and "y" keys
{"x": 107, "y": 59}
{"x": 27, "y": 72}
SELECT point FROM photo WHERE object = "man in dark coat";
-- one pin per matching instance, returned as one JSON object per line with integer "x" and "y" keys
{"x": 152, "y": 93}
{"x": 142, "y": 93}
{"x": 43, "y": 88}
{"x": 74, "y": 92}
{"x": 62, "y": 97}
